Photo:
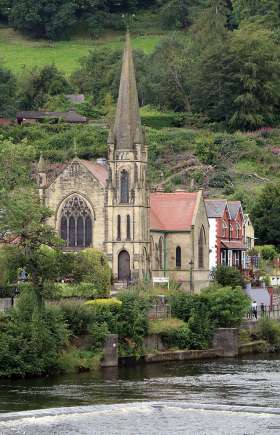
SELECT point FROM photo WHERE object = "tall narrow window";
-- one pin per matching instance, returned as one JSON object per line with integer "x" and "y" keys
{"x": 128, "y": 229}
{"x": 178, "y": 257}
{"x": 230, "y": 231}
{"x": 224, "y": 229}
{"x": 119, "y": 235}
{"x": 124, "y": 187}
{"x": 201, "y": 243}
{"x": 237, "y": 231}
{"x": 160, "y": 252}
{"x": 76, "y": 223}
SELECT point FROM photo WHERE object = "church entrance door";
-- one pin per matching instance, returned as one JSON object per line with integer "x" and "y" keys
{"x": 124, "y": 266}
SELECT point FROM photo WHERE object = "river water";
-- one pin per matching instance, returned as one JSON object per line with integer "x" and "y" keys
{"x": 231, "y": 396}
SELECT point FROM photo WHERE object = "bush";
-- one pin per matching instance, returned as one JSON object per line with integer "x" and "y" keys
{"x": 83, "y": 290}
{"x": 31, "y": 339}
{"x": 99, "y": 303}
{"x": 165, "y": 326}
{"x": 228, "y": 276}
{"x": 227, "y": 306}
{"x": 78, "y": 317}
{"x": 269, "y": 330}
{"x": 182, "y": 304}
{"x": 92, "y": 266}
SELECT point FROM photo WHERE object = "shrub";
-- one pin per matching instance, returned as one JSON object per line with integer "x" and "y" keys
{"x": 83, "y": 289}
{"x": 92, "y": 266}
{"x": 269, "y": 330}
{"x": 182, "y": 304}
{"x": 31, "y": 339}
{"x": 165, "y": 326}
{"x": 78, "y": 317}
{"x": 228, "y": 276}
{"x": 227, "y": 306}
{"x": 104, "y": 302}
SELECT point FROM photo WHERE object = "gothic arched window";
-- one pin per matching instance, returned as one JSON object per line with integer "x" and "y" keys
{"x": 124, "y": 187}
{"x": 119, "y": 233}
{"x": 76, "y": 223}
{"x": 201, "y": 243}
{"x": 178, "y": 257}
{"x": 128, "y": 228}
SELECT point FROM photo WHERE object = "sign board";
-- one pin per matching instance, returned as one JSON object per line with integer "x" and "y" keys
{"x": 161, "y": 280}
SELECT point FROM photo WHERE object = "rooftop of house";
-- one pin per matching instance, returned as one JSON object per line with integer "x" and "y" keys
{"x": 172, "y": 211}
{"x": 215, "y": 207}
{"x": 234, "y": 207}
{"x": 70, "y": 116}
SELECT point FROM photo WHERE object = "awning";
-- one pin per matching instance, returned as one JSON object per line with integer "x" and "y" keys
{"x": 234, "y": 245}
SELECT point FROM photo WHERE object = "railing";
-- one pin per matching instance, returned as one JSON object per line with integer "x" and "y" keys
{"x": 271, "y": 312}
{"x": 160, "y": 311}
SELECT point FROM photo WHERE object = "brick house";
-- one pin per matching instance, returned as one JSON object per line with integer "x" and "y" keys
{"x": 226, "y": 236}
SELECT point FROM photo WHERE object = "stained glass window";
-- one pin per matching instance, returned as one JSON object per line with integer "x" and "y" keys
{"x": 76, "y": 223}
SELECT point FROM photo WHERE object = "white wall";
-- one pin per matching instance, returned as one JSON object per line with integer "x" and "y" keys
{"x": 212, "y": 243}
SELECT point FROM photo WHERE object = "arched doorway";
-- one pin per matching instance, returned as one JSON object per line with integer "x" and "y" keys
{"x": 124, "y": 266}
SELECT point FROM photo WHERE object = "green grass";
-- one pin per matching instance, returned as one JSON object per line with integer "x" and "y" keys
{"x": 19, "y": 53}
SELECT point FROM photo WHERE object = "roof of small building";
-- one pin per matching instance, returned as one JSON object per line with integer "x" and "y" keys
{"x": 215, "y": 207}
{"x": 172, "y": 211}
{"x": 234, "y": 244}
{"x": 70, "y": 116}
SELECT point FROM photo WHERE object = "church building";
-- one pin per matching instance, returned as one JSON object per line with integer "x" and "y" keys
{"x": 107, "y": 204}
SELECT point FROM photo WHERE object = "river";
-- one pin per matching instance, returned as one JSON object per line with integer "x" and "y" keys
{"x": 231, "y": 396}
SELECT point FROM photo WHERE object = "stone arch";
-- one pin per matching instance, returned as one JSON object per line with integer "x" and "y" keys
{"x": 124, "y": 268}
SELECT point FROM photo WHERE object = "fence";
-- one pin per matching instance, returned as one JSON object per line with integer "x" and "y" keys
{"x": 269, "y": 311}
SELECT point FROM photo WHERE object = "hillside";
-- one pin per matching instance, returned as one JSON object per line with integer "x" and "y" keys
{"x": 19, "y": 53}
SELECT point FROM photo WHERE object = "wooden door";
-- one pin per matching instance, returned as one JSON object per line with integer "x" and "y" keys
{"x": 124, "y": 266}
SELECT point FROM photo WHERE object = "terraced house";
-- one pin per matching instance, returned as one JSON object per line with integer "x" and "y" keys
{"x": 107, "y": 204}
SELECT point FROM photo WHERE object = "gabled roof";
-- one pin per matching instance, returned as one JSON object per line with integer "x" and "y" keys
{"x": 234, "y": 207}
{"x": 215, "y": 207}
{"x": 98, "y": 171}
{"x": 172, "y": 211}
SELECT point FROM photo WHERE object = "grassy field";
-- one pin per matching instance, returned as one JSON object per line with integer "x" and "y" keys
{"x": 19, "y": 53}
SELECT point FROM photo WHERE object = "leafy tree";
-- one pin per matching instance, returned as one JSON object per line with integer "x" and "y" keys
{"x": 265, "y": 215}
{"x": 177, "y": 14}
{"x": 266, "y": 11}
{"x": 227, "y": 305}
{"x": 228, "y": 276}
{"x": 39, "y": 84}
{"x": 7, "y": 93}
{"x": 51, "y": 19}
{"x": 92, "y": 266}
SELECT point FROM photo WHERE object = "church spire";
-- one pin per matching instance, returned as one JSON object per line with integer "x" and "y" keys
{"x": 127, "y": 129}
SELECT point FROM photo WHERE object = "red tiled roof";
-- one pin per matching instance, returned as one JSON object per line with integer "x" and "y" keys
{"x": 172, "y": 211}
{"x": 97, "y": 170}
{"x": 234, "y": 244}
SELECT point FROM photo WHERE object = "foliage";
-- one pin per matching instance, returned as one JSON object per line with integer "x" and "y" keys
{"x": 228, "y": 276}
{"x": 82, "y": 289}
{"x": 8, "y": 87}
{"x": 77, "y": 316}
{"x": 92, "y": 266}
{"x": 165, "y": 326}
{"x": 104, "y": 302}
{"x": 31, "y": 339}
{"x": 269, "y": 330}
{"x": 227, "y": 306}
{"x": 265, "y": 215}
{"x": 38, "y": 85}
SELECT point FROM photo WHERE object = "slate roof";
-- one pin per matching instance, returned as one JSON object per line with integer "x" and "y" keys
{"x": 172, "y": 211}
{"x": 70, "y": 116}
{"x": 215, "y": 207}
{"x": 234, "y": 207}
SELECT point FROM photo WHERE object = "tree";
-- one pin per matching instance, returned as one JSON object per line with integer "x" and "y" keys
{"x": 51, "y": 19}
{"x": 228, "y": 276}
{"x": 39, "y": 84}
{"x": 177, "y": 14}
{"x": 7, "y": 93}
{"x": 266, "y": 11}
{"x": 265, "y": 215}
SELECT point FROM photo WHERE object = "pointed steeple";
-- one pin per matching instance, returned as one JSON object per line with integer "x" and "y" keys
{"x": 127, "y": 129}
{"x": 41, "y": 164}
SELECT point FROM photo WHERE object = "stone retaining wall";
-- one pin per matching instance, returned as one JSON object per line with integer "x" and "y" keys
{"x": 180, "y": 355}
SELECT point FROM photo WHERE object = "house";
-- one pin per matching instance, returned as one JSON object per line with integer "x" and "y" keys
{"x": 226, "y": 233}
{"x": 107, "y": 204}
{"x": 32, "y": 117}
{"x": 249, "y": 232}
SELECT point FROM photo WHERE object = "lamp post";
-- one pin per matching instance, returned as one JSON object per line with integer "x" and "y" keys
{"x": 191, "y": 275}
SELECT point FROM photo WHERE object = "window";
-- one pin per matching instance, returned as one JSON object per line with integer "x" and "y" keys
{"x": 119, "y": 233}
{"x": 230, "y": 231}
{"x": 160, "y": 252}
{"x": 201, "y": 243}
{"x": 124, "y": 187}
{"x": 237, "y": 231}
{"x": 128, "y": 230}
{"x": 76, "y": 223}
{"x": 224, "y": 229}
{"x": 178, "y": 257}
